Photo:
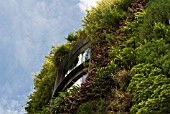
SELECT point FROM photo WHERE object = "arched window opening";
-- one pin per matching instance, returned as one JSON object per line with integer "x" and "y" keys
{"x": 72, "y": 70}
{"x": 83, "y": 57}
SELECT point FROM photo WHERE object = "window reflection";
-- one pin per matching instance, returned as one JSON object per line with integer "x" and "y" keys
{"x": 81, "y": 59}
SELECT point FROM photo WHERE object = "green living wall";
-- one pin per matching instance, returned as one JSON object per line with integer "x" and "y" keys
{"x": 130, "y": 62}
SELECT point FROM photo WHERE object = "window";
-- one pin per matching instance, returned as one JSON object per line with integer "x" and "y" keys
{"x": 81, "y": 59}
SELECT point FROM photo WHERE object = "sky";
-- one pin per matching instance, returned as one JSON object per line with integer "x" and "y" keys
{"x": 28, "y": 30}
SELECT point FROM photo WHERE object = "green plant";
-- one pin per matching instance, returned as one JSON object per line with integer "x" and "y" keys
{"x": 71, "y": 37}
{"x": 103, "y": 82}
{"x": 93, "y": 107}
{"x": 86, "y": 108}
{"x": 61, "y": 52}
{"x": 148, "y": 89}
{"x": 100, "y": 106}
{"x": 157, "y": 12}
{"x": 105, "y": 18}
{"x": 156, "y": 52}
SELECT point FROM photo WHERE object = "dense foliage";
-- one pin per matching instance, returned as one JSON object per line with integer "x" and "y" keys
{"x": 129, "y": 65}
{"x": 150, "y": 89}
{"x": 150, "y": 75}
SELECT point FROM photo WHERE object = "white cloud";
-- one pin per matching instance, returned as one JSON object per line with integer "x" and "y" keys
{"x": 34, "y": 26}
{"x": 10, "y": 103}
{"x": 9, "y": 107}
{"x": 10, "y": 111}
{"x": 86, "y": 4}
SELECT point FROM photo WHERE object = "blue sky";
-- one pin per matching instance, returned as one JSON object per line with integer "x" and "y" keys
{"x": 28, "y": 29}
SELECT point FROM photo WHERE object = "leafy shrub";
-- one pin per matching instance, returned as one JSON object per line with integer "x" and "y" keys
{"x": 93, "y": 107}
{"x": 157, "y": 12}
{"x": 61, "y": 52}
{"x": 122, "y": 57}
{"x": 55, "y": 105}
{"x": 86, "y": 108}
{"x": 103, "y": 82}
{"x": 148, "y": 89}
{"x": 105, "y": 17}
{"x": 132, "y": 31}
{"x": 156, "y": 52}
{"x": 71, "y": 37}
